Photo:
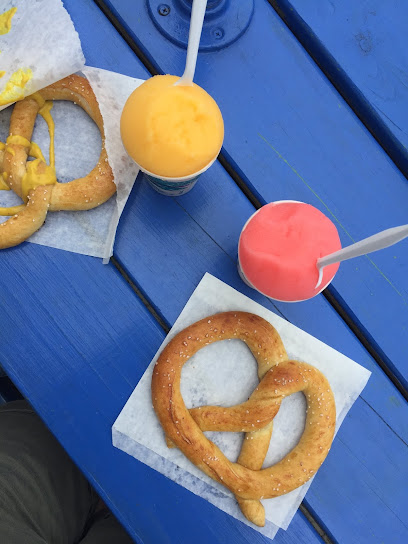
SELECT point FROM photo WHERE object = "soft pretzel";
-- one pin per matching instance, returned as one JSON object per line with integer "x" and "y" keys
{"x": 279, "y": 377}
{"x": 44, "y": 195}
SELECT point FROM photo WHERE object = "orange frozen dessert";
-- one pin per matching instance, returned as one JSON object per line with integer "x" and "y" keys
{"x": 171, "y": 130}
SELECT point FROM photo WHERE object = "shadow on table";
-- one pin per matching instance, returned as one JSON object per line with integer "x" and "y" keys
{"x": 8, "y": 391}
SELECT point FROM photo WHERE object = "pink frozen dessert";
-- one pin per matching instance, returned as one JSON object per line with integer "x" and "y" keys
{"x": 279, "y": 247}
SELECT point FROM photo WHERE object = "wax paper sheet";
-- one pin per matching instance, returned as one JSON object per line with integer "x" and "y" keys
{"x": 112, "y": 90}
{"x": 42, "y": 39}
{"x": 138, "y": 432}
{"x": 77, "y": 149}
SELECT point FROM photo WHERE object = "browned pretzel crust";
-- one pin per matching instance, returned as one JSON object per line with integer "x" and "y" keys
{"x": 80, "y": 194}
{"x": 279, "y": 377}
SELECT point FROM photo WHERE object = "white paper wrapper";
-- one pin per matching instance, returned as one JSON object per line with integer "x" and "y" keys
{"x": 112, "y": 90}
{"x": 43, "y": 39}
{"x": 77, "y": 148}
{"x": 138, "y": 432}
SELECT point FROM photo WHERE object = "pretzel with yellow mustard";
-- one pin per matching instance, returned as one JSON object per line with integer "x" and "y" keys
{"x": 35, "y": 181}
{"x": 279, "y": 377}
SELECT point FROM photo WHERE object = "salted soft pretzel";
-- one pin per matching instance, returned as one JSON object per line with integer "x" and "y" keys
{"x": 279, "y": 377}
{"x": 80, "y": 194}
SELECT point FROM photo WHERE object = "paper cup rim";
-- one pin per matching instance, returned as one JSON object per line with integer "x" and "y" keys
{"x": 183, "y": 178}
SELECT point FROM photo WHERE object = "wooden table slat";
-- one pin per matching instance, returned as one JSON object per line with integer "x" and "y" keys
{"x": 78, "y": 366}
{"x": 296, "y": 138}
{"x": 80, "y": 342}
{"x": 168, "y": 269}
{"x": 361, "y": 46}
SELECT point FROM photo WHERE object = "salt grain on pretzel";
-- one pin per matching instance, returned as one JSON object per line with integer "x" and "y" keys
{"x": 35, "y": 181}
{"x": 279, "y": 377}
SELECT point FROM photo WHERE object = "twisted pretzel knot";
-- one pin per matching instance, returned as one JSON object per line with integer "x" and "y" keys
{"x": 279, "y": 377}
{"x": 80, "y": 194}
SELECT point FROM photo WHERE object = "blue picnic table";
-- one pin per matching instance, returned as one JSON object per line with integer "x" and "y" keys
{"x": 314, "y": 97}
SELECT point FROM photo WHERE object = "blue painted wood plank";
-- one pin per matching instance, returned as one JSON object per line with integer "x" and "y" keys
{"x": 362, "y": 525}
{"x": 78, "y": 343}
{"x": 77, "y": 347}
{"x": 95, "y": 374}
{"x": 196, "y": 224}
{"x": 168, "y": 264}
{"x": 106, "y": 46}
{"x": 76, "y": 340}
{"x": 295, "y": 138}
{"x": 87, "y": 361}
{"x": 362, "y": 47}
{"x": 168, "y": 252}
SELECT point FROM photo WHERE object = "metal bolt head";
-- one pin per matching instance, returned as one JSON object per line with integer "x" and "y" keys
{"x": 217, "y": 33}
{"x": 163, "y": 9}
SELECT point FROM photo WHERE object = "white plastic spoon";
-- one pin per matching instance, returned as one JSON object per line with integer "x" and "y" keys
{"x": 194, "y": 35}
{"x": 378, "y": 241}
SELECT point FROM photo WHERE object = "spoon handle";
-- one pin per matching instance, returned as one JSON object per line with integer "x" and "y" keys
{"x": 196, "y": 26}
{"x": 378, "y": 241}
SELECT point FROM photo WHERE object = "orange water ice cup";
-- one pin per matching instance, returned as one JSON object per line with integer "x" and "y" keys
{"x": 279, "y": 247}
{"x": 173, "y": 132}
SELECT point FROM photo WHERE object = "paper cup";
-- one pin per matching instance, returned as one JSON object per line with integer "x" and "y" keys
{"x": 175, "y": 186}
{"x": 246, "y": 280}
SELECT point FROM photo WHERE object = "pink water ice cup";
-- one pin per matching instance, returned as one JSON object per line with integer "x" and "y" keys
{"x": 279, "y": 247}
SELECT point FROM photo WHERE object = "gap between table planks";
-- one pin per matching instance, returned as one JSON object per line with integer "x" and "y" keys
{"x": 87, "y": 328}
{"x": 154, "y": 232}
{"x": 170, "y": 250}
{"x": 167, "y": 269}
{"x": 200, "y": 202}
{"x": 76, "y": 350}
{"x": 89, "y": 272}
{"x": 362, "y": 49}
{"x": 285, "y": 133}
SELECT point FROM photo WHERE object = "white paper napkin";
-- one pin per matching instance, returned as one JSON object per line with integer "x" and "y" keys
{"x": 138, "y": 432}
{"x": 43, "y": 39}
{"x": 112, "y": 90}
